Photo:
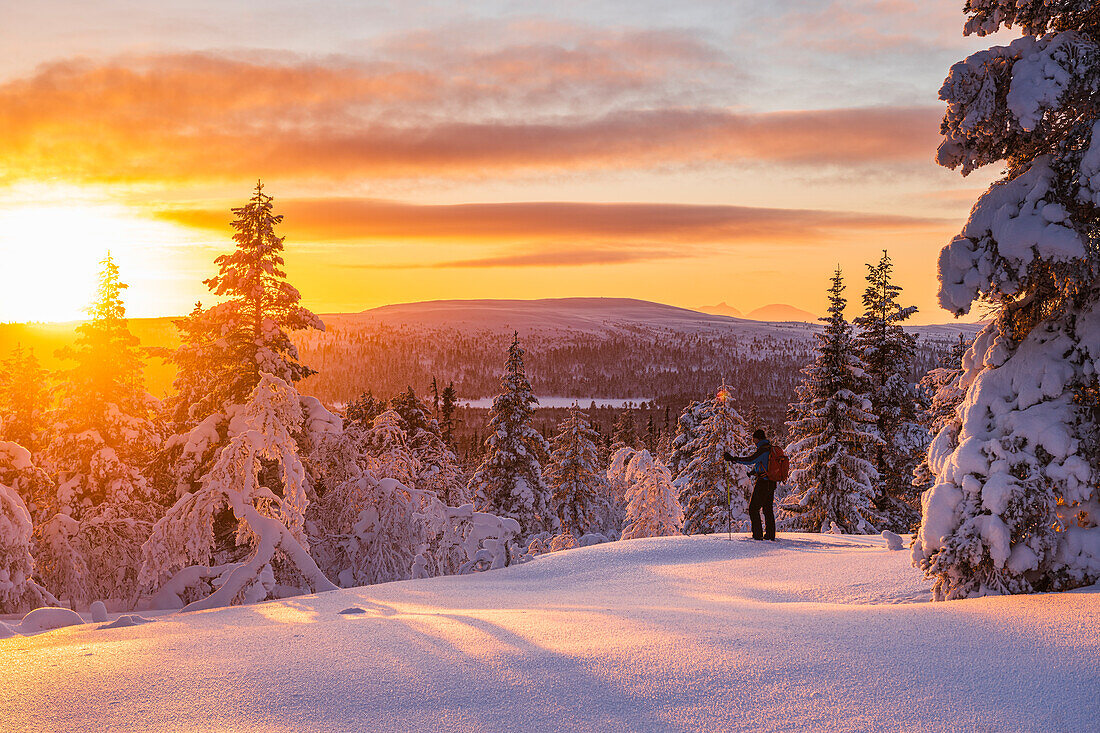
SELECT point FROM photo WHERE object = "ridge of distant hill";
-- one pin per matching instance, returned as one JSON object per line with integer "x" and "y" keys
{"x": 722, "y": 309}
{"x": 782, "y": 313}
{"x": 602, "y": 315}
{"x": 477, "y": 332}
{"x": 576, "y": 314}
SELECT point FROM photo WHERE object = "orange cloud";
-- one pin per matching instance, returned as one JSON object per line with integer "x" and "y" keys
{"x": 206, "y": 117}
{"x": 547, "y": 257}
{"x": 633, "y": 224}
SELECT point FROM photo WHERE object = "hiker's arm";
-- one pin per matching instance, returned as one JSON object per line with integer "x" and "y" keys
{"x": 747, "y": 459}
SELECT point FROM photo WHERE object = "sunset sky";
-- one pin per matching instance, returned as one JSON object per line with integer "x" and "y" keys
{"x": 687, "y": 153}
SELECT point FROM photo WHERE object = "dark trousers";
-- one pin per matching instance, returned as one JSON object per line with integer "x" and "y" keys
{"x": 763, "y": 499}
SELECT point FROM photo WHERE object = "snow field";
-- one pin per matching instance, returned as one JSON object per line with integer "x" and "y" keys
{"x": 814, "y": 632}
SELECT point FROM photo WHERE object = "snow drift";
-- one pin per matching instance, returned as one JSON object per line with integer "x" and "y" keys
{"x": 816, "y": 632}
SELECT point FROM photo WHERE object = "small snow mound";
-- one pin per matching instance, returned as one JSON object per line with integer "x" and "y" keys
{"x": 592, "y": 538}
{"x": 351, "y": 611}
{"x": 44, "y": 619}
{"x": 99, "y": 612}
{"x": 123, "y": 621}
{"x": 893, "y": 541}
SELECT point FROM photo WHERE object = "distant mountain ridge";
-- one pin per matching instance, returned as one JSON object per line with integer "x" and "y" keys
{"x": 722, "y": 309}
{"x": 604, "y": 315}
{"x": 774, "y": 312}
{"x": 577, "y": 314}
{"x": 781, "y": 312}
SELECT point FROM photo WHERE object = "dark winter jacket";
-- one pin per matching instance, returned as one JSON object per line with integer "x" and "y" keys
{"x": 758, "y": 461}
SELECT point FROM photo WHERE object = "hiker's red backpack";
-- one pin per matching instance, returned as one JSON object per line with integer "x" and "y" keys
{"x": 779, "y": 466}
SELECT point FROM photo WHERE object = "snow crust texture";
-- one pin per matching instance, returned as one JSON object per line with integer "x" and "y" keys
{"x": 822, "y": 632}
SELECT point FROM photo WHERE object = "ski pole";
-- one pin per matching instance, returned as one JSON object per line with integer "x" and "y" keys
{"x": 729, "y": 520}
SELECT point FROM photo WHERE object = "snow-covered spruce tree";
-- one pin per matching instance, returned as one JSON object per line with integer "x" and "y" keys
{"x": 625, "y": 432}
{"x": 687, "y": 430}
{"x": 362, "y": 410}
{"x": 24, "y": 400}
{"x": 375, "y": 530}
{"x": 832, "y": 428}
{"x": 713, "y": 492}
{"x": 1014, "y": 507}
{"x": 509, "y": 481}
{"x": 942, "y": 395}
{"x": 33, "y": 484}
{"x": 439, "y": 470}
{"x": 447, "y": 419}
{"x": 259, "y": 478}
{"x": 225, "y": 348}
{"x": 611, "y": 524}
{"x": 887, "y": 354}
{"x": 653, "y": 509}
{"x": 18, "y": 477}
{"x": 579, "y": 487}
{"x": 103, "y": 437}
{"x": 387, "y": 451}
{"x": 365, "y": 525}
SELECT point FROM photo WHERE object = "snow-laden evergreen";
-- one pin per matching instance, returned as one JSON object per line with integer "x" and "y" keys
{"x": 387, "y": 449}
{"x": 941, "y": 394}
{"x": 578, "y": 486}
{"x": 18, "y": 590}
{"x": 611, "y": 525}
{"x": 438, "y": 470}
{"x": 1014, "y": 506}
{"x": 103, "y": 436}
{"x": 624, "y": 434}
{"x": 24, "y": 400}
{"x": 366, "y": 526}
{"x": 509, "y": 481}
{"x": 887, "y": 354}
{"x": 687, "y": 429}
{"x": 653, "y": 507}
{"x": 383, "y": 531}
{"x": 713, "y": 492}
{"x": 259, "y": 478}
{"x": 225, "y": 348}
{"x": 831, "y": 430}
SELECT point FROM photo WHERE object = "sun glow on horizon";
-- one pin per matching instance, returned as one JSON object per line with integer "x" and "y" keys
{"x": 53, "y": 244}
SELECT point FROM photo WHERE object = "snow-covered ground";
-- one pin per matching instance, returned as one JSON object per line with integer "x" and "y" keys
{"x": 815, "y": 632}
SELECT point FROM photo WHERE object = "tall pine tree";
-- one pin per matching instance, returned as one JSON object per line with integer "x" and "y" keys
{"x": 832, "y": 429}
{"x": 509, "y": 480}
{"x": 887, "y": 354}
{"x": 448, "y": 421}
{"x": 1014, "y": 507}
{"x": 225, "y": 348}
{"x": 24, "y": 400}
{"x": 573, "y": 474}
{"x": 103, "y": 438}
{"x": 625, "y": 432}
{"x": 653, "y": 509}
{"x": 713, "y": 492}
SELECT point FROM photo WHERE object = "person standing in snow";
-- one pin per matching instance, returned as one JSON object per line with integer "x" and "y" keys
{"x": 763, "y": 493}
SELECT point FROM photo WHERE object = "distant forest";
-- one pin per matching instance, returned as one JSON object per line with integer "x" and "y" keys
{"x": 662, "y": 369}
{"x": 658, "y": 367}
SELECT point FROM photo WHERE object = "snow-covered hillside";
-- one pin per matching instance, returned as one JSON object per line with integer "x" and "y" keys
{"x": 815, "y": 632}
{"x": 601, "y": 316}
